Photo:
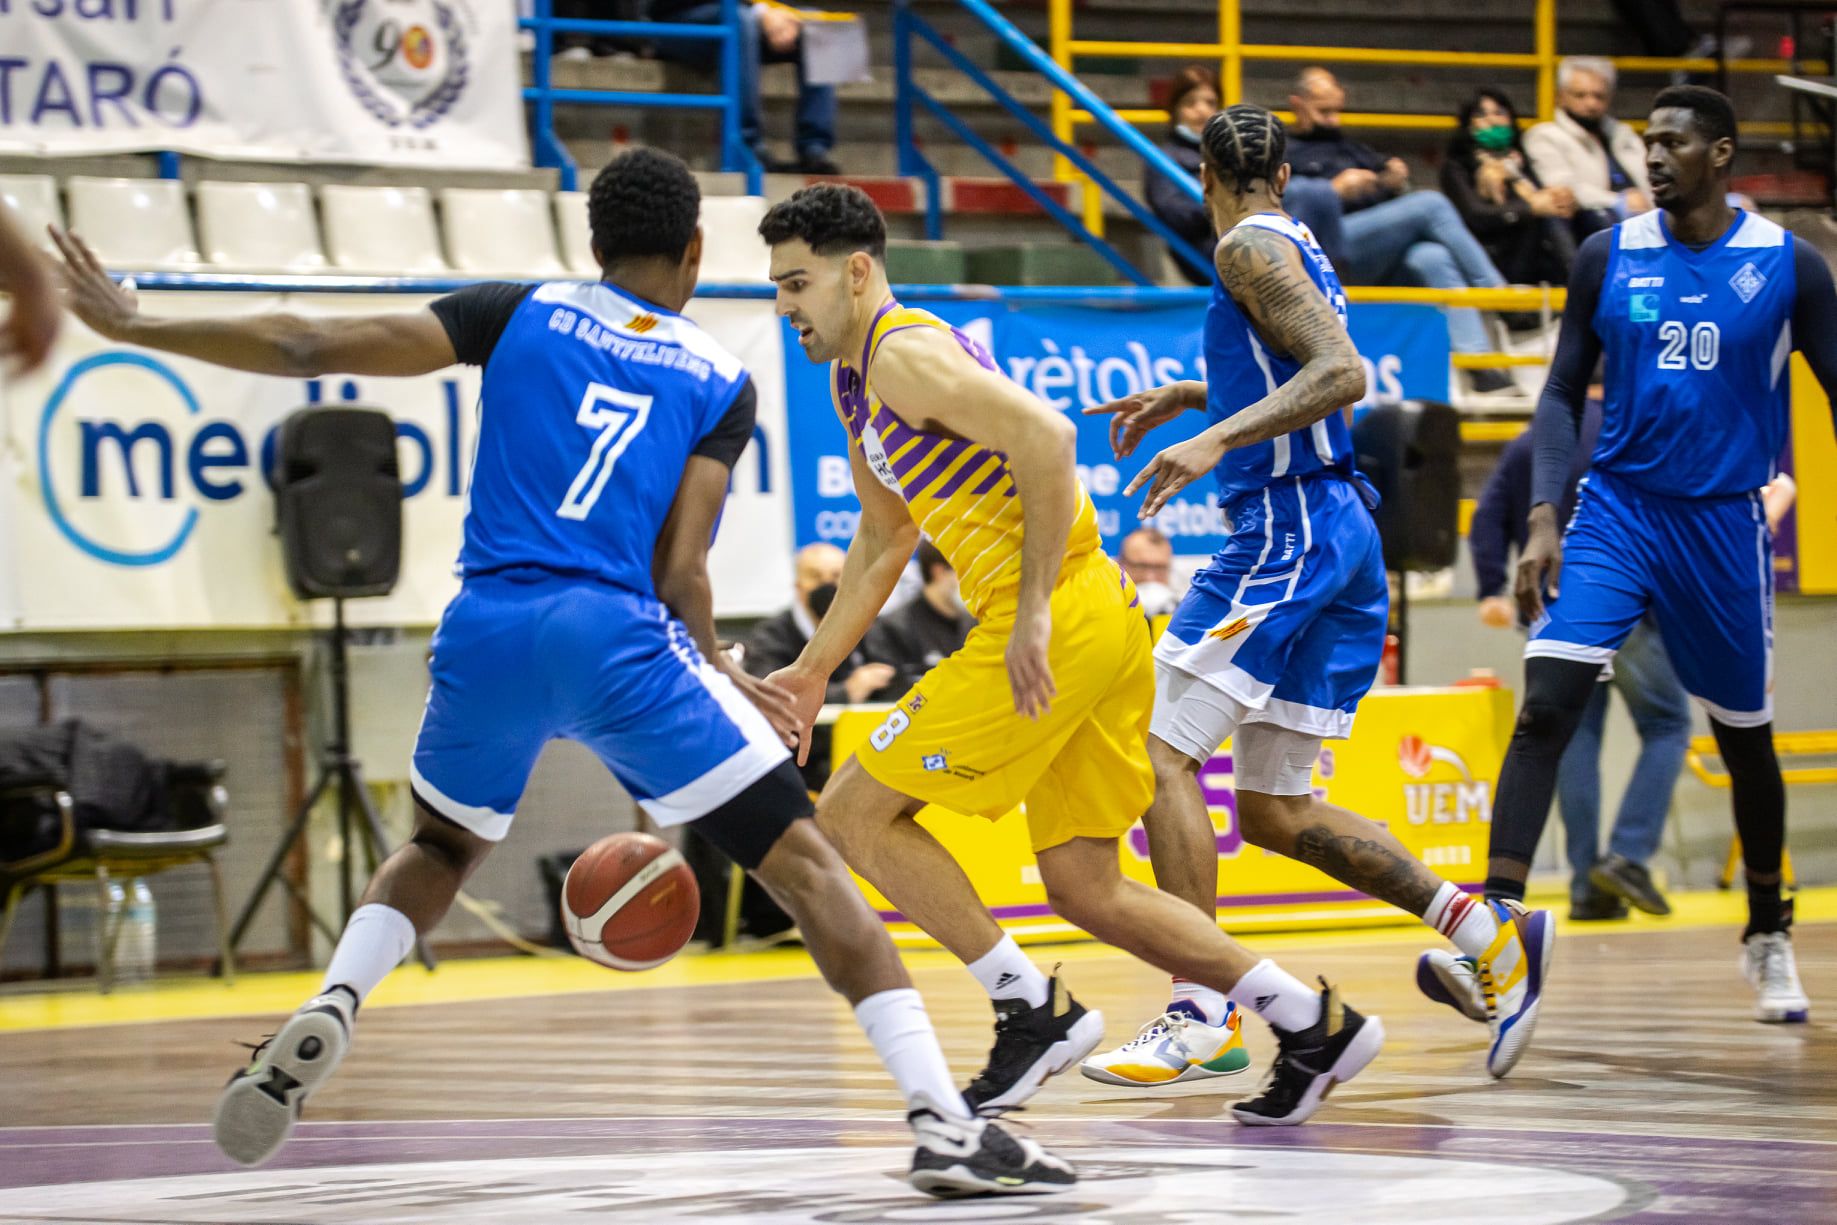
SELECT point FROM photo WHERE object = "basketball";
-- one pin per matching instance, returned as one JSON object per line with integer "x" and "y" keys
{"x": 630, "y": 902}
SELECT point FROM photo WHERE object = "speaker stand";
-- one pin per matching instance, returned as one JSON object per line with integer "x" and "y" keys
{"x": 356, "y": 813}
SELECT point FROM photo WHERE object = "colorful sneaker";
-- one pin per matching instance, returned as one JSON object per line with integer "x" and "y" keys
{"x": 957, "y": 1157}
{"x": 1310, "y": 1062}
{"x": 1512, "y": 973}
{"x": 1452, "y": 980}
{"x": 260, "y": 1105}
{"x": 1175, "y": 1048}
{"x": 1032, "y": 1044}
{"x": 1771, "y": 969}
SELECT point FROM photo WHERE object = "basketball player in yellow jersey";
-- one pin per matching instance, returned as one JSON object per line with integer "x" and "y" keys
{"x": 1048, "y": 701}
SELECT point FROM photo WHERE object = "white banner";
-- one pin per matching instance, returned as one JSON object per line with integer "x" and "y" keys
{"x": 388, "y": 82}
{"x": 131, "y": 494}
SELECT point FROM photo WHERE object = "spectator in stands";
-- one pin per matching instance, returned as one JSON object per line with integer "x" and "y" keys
{"x": 915, "y": 636}
{"x": 770, "y": 33}
{"x": 1599, "y": 888}
{"x": 1148, "y": 558}
{"x": 1523, "y": 225}
{"x": 1192, "y": 99}
{"x": 1587, "y": 150}
{"x": 1392, "y": 235}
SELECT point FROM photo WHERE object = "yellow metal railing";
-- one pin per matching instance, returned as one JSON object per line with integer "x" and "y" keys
{"x": 1231, "y": 51}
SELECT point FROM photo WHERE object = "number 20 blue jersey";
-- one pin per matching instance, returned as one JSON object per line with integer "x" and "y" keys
{"x": 593, "y": 402}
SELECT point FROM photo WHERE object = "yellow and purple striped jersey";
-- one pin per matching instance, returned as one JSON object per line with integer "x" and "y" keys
{"x": 960, "y": 494}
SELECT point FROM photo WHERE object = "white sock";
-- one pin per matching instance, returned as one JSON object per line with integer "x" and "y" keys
{"x": 897, "y": 1024}
{"x": 1006, "y": 974}
{"x": 374, "y": 943}
{"x": 1462, "y": 918}
{"x": 1208, "y": 1003}
{"x": 1277, "y": 996}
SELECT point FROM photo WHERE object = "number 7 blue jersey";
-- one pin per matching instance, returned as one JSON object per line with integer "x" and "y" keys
{"x": 593, "y": 401}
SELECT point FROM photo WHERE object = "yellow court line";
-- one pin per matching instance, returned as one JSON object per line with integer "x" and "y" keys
{"x": 504, "y": 978}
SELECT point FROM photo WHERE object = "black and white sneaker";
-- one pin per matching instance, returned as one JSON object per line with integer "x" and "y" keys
{"x": 958, "y": 1157}
{"x": 1310, "y": 1062}
{"x": 1032, "y": 1044}
{"x": 260, "y": 1105}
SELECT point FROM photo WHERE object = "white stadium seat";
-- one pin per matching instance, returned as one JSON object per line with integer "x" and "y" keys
{"x": 731, "y": 247}
{"x": 576, "y": 237}
{"x": 500, "y": 232}
{"x": 33, "y": 199}
{"x": 381, "y": 229}
{"x": 134, "y": 223}
{"x": 259, "y": 227}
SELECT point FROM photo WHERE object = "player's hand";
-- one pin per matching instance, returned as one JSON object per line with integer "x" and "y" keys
{"x": 1134, "y": 415}
{"x": 867, "y": 680}
{"x": 30, "y": 327}
{"x": 1540, "y": 565}
{"x": 805, "y": 692}
{"x": 89, "y": 291}
{"x": 1029, "y": 673}
{"x": 773, "y": 701}
{"x": 1496, "y": 612}
{"x": 1174, "y": 469}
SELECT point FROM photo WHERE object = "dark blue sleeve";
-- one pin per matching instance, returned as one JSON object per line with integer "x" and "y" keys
{"x": 1814, "y": 317}
{"x": 474, "y": 317}
{"x": 728, "y": 439}
{"x": 1558, "y": 418}
{"x": 1492, "y": 531}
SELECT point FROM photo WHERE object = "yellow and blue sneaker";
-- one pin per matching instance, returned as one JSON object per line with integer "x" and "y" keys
{"x": 1512, "y": 972}
{"x": 1174, "y": 1048}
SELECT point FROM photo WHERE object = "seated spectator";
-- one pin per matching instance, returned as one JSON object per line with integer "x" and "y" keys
{"x": 1392, "y": 236}
{"x": 1192, "y": 100}
{"x": 916, "y": 636}
{"x": 1587, "y": 150}
{"x": 1523, "y": 225}
{"x": 770, "y": 33}
{"x": 1147, "y": 556}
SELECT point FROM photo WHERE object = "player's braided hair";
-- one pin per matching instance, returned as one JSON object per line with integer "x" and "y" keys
{"x": 645, "y": 202}
{"x": 1244, "y": 143}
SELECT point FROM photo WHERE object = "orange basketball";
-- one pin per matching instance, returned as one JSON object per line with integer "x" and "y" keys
{"x": 630, "y": 902}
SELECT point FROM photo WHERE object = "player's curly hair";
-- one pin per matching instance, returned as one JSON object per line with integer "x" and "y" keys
{"x": 1244, "y": 143}
{"x": 833, "y": 218}
{"x": 1711, "y": 112}
{"x": 645, "y": 202}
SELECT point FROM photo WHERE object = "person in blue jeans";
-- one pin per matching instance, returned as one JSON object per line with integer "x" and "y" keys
{"x": 1392, "y": 235}
{"x": 1600, "y": 887}
{"x": 769, "y": 34}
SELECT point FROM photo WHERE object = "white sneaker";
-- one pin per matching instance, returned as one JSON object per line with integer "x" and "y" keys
{"x": 260, "y": 1105}
{"x": 1174, "y": 1048}
{"x": 1452, "y": 980}
{"x": 1770, "y": 968}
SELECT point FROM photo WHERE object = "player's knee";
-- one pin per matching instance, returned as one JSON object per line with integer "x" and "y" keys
{"x": 802, "y": 866}
{"x": 459, "y": 850}
{"x": 1079, "y": 882}
{"x": 1171, "y": 765}
{"x": 1269, "y": 820}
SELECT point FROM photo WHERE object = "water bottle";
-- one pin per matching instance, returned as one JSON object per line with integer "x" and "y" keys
{"x": 136, "y": 950}
{"x": 108, "y": 921}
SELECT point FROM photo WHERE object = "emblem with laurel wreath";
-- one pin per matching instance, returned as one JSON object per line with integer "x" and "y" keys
{"x": 388, "y": 107}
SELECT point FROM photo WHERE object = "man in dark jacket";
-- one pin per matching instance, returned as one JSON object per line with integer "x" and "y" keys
{"x": 1600, "y": 888}
{"x": 916, "y": 636}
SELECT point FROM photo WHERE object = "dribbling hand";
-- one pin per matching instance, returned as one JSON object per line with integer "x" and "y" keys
{"x": 805, "y": 693}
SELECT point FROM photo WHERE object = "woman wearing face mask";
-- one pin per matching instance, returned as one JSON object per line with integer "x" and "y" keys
{"x": 1522, "y": 224}
{"x": 1192, "y": 99}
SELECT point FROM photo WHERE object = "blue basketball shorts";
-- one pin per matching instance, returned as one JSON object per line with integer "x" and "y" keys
{"x": 1703, "y": 567}
{"x": 1288, "y": 620}
{"x": 520, "y": 660}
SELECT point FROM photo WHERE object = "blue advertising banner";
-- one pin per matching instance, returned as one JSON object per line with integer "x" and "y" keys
{"x": 1076, "y": 356}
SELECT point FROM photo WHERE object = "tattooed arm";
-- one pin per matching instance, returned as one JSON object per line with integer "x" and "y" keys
{"x": 1262, "y": 272}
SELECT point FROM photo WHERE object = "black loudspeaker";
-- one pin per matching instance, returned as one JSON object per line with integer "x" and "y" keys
{"x": 1411, "y": 453}
{"x": 338, "y": 502}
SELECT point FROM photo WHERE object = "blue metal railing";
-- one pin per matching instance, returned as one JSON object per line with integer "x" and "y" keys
{"x": 542, "y": 95}
{"x": 907, "y": 25}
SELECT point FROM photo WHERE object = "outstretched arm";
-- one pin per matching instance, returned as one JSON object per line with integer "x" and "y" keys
{"x": 293, "y": 346}
{"x": 31, "y": 322}
{"x": 1263, "y": 273}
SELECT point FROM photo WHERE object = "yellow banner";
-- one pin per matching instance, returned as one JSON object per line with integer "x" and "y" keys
{"x": 1423, "y": 762}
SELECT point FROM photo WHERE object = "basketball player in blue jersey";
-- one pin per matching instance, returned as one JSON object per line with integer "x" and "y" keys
{"x": 1697, "y": 307}
{"x": 608, "y": 427}
{"x": 1281, "y": 634}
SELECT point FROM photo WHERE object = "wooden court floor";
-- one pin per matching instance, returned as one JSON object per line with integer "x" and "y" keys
{"x": 734, "y": 1088}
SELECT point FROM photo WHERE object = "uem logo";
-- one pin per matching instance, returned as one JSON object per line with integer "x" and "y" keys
{"x": 88, "y": 462}
{"x": 1446, "y": 802}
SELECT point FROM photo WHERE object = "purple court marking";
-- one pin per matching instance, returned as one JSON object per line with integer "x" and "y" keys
{"x": 1666, "y": 1178}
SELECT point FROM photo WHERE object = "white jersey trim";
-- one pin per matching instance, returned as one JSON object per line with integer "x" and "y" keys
{"x": 597, "y": 299}
{"x": 1642, "y": 233}
{"x": 1756, "y": 231}
{"x": 762, "y": 752}
{"x": 487, "y": 823}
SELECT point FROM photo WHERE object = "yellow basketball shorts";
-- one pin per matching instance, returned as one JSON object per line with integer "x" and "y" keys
{"x": 1081, "y": 769}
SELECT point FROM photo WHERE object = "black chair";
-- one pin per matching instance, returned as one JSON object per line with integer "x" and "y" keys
{"x": 37, "y": 812}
